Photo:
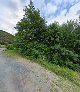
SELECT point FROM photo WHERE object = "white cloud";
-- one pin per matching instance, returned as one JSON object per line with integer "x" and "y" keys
{"x": 10, "y": 16}
{"x": 50, "y": 8}
{"x": 72, "y": 14}
{"x": 63, "y": 12}
{"x": 58, "y": 2}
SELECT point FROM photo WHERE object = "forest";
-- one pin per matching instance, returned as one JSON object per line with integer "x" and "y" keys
{"x": 55, "y": 43}
{"x": 6, "y": 38}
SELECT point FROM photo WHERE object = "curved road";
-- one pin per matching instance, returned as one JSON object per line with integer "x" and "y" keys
{"x": 20, "y": 75}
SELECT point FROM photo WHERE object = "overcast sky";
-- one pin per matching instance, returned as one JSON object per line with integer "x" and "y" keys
{"x": 11, "y": 11}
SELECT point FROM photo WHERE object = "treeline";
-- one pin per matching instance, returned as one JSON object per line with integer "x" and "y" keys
{"x": 58, "y": 44}
{"x": 5, "y": 38}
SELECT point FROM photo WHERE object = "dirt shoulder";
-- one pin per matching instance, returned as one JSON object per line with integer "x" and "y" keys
{"x": 46, "y": 81}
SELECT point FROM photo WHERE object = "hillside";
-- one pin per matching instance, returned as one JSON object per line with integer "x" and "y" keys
{"x": 5, "y": 38}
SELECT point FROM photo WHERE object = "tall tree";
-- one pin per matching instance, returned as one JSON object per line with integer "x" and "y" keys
{"x": 32, "y": 26}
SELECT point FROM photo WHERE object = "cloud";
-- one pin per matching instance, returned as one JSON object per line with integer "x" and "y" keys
{"x": 11, "y": 11}
{"x": 78, "y": 12}
{"x": 50, "y": 9}
{"x": 63, "y": 12}
{"x": 73, "y": 13}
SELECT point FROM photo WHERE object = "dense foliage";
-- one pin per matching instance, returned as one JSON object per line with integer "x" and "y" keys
{"x": 58, "y": 44}
{"x": 5, "y": 38}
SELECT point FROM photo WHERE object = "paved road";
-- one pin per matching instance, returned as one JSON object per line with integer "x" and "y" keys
{"x": 20, "y": 75}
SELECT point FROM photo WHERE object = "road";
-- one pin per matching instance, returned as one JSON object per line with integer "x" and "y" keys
{"x": 16, "y": 77}
{"x": 19, "y": 75}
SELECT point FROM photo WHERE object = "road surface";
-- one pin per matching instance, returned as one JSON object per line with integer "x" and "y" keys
{"x": 20, "y": 75}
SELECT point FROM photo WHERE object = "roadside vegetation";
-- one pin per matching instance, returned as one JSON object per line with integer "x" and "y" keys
{"x": 54, "y": 46}
{"x": 66, "y": 73}
{"x": 2, "y": 46}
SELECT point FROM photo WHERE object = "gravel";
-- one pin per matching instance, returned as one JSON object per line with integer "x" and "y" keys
{"x": 21, "y": 75}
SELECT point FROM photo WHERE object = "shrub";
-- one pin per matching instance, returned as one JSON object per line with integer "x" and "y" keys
{"x": 10, "y": 46}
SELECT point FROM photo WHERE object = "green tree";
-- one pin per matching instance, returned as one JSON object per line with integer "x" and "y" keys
{"x": 32, "y": 27}
{"x": 58, "y": 44}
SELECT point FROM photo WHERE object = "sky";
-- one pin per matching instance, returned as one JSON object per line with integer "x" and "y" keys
{"x": 11, "y": 11}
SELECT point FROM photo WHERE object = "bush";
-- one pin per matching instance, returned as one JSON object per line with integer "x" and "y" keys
{"x": 10, "y": 46}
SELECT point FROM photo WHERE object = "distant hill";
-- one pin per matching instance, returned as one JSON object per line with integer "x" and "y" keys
{"x": 5, "y": 38}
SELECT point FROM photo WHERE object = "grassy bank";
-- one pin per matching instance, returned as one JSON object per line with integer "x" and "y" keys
{"x": 71, "y": 75}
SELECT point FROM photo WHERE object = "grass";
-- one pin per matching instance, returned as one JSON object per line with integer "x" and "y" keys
{"x": 71, "y": 75}
{"x": 2, "y": 46}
